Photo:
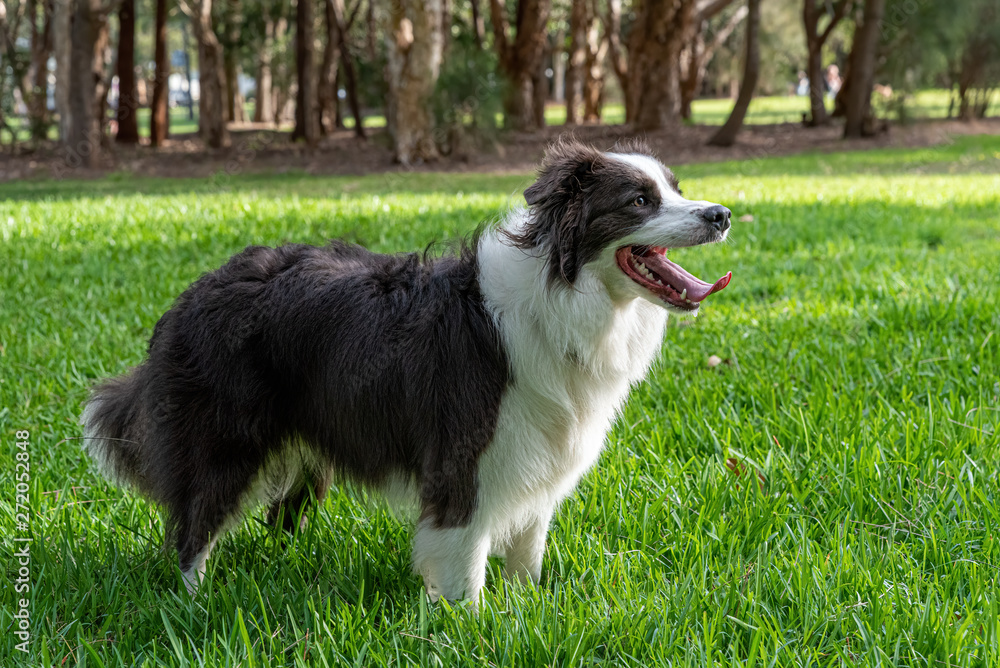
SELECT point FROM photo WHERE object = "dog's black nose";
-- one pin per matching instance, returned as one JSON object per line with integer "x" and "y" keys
{"x": 717, "y": 216}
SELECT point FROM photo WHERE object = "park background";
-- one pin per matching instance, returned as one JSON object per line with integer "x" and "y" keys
{"x": 809, "y": 476}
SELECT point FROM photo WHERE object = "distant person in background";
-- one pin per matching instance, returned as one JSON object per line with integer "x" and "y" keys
{"x": 833, "y": 81}
{"x": 802, "y": 88}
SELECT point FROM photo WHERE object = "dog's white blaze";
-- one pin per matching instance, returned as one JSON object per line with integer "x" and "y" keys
{"x": 574, "y": 353}
{"x": 678, "y": 222}
{"x": 654, "y": 170}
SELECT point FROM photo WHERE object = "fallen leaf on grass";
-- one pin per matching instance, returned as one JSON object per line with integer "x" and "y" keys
{"x": 740, "y": 469}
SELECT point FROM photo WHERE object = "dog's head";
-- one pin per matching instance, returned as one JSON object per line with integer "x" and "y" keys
{"x": 617, "y": 214}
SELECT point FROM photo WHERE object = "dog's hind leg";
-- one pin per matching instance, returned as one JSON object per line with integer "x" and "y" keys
{"x": 196, "y": 536}
{"x": 201, "y": 517}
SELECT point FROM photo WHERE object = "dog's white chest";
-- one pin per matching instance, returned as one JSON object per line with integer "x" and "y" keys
{"x": 570, "y": 376}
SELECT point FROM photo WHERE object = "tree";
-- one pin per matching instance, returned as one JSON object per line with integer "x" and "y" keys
{"x": 212, "y": 102}
{"x": 578, "y": 24}
{"x": 62, "y": 41}
{"x": 588, "y": 51}
{"x": 128, "y": 99}
{"x": 478, "y": 25}
{"x": 159, "y": 119}
{"x": 698, "y": 54}
{"x": 415, "y": 50}
{"x": 864, "y": 52}
{"x": 726, "y": 136}
{"x": 232, "y": 21}
{"x": 87, "y": 90}
{"x": 619, "y": 61}
{"x": 327, "y": 90}
{"x": 338, "y": 54}
{"x": 659, "y": 32}
{"x": 594, "y": 67}
{"x": 281, "y": 79}
{"x": 815, "y": 40}
{"x": 977, "y": 68}
{"x": 30, "y": 75}
{"x": 306, "y": 100}
{"x": 521, "y": 59}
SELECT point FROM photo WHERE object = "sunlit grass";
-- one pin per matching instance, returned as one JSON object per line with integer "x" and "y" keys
{"x": 860, "y": 341}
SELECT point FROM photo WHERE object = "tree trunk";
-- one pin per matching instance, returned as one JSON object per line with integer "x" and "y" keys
{"x": 281, "y": 82}
{"x": 103, "y": 69}
{"x": 692, "y": 72}
{"x": 159, "y": 119}
{"x": 815, "y": 40}
{"x": 347, "y": 60}
{"x": 306, "y": 103}
{"x": 971, "y": 70}
{"x": 263, "y": 111}
{"x": 840, "y": 99}
{"x": 619, "y": 63}
{"x": 338, "y": 112}
{"x": 539, "y": 93}
{"x": 699, "y": 55}
{"x": 371, "y": 30}
{"x": 84, "y": 138}
{"x": 414, "y": 50}
{"x": 521, "y": 59}
{"x": 864, "y": 53}
{"x": 593, "y": 79}
{"x": 817, "y": 84}
{"x": 578, "y": 21}
{"x": 212, "y": 103}
{"x": 726, "y": 136}
{"x": 35, "y": 85}
{"x": 559, "y": 68}
{"x": 446, "y": 9}
{"x": 128, "y": 101}
{"x": 478, "y": 25}
{"x": 660, "y": 31}
{"x": 234, "y": 100}
{"x": 62, "y": 40}
{"x": 328, "y": 72}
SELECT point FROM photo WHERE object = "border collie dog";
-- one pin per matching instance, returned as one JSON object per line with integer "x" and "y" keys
{"x": 481, "y": 386}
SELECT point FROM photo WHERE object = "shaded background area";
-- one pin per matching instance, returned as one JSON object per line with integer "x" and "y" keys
{"x": 335, "y": 86}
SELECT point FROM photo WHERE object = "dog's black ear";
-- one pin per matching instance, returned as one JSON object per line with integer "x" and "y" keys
{"x": 558, "y": 206}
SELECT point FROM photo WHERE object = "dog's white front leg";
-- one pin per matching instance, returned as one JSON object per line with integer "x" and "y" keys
{"x": 525, "y": 550}
{"x": 452, "y": 561}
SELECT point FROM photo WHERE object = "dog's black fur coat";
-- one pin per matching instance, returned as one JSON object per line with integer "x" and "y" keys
{"x": 393, "y": 366}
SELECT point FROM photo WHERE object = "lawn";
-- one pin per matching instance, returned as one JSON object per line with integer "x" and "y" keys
{"x": 860, "y": 377}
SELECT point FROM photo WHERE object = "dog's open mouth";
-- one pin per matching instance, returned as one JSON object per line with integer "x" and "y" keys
{"x": 649, "y": 267}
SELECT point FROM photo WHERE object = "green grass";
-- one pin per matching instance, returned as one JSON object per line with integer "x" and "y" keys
{"x": 861, "y": 339}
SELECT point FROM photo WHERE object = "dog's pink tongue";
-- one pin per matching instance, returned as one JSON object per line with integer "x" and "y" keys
{"x": 678, "y": 278}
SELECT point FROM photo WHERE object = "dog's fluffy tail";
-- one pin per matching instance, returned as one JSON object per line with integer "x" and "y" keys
{"x": 115, "y": 422}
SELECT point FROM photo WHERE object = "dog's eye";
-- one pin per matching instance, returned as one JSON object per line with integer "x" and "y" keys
{"x": 640, "y": 201}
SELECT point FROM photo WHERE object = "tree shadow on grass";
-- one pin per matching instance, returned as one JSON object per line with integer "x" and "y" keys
{"x": 975, "y": 154}
{"x": 290, "y": 183}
